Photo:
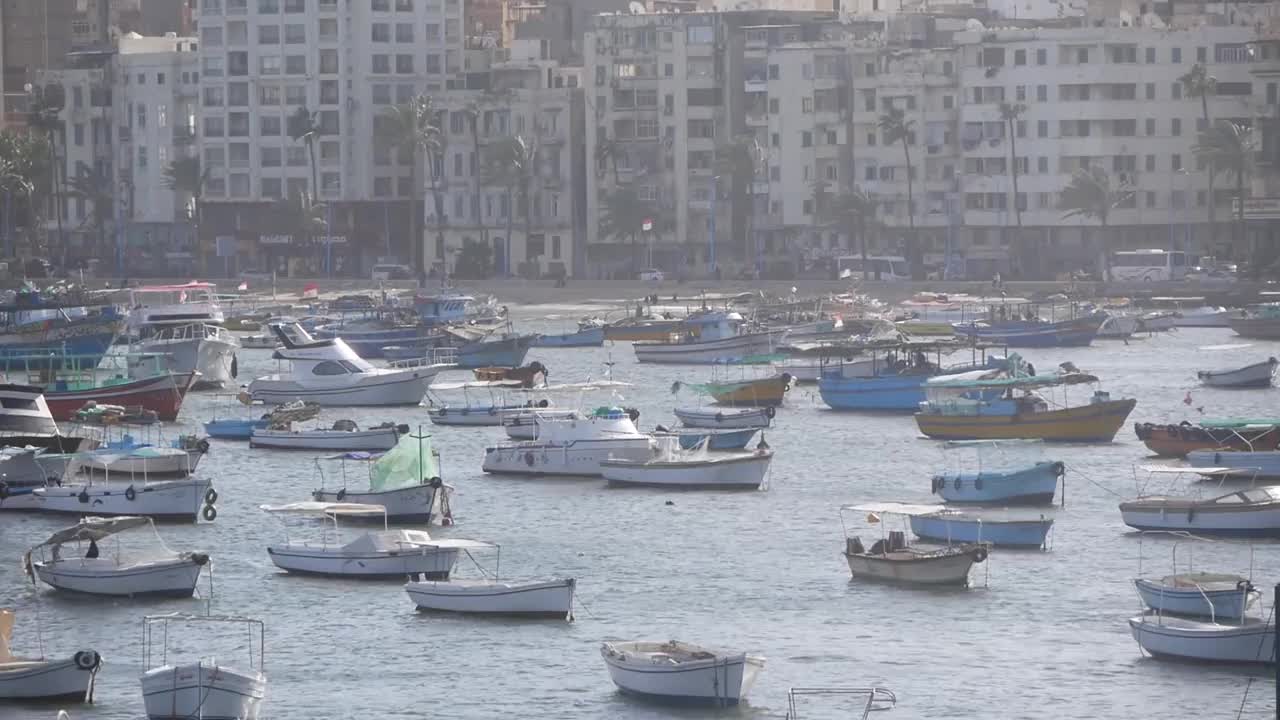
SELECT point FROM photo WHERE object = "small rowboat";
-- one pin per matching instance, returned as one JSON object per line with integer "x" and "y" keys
{"x": 1257, "y": 375}
{"x": 716, "y": 418}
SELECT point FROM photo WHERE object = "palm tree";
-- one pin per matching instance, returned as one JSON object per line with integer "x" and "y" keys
{"x": 24, "y": 159}
{"x": 1228, "y": 148}
{"x": 1199, "y": 83}
{"x": 516, "y": 159}
{"x": 95, "y": 186}
{"x": 185, "y": 177}
{"x": 44, "y": 115}
{"x": 740, "y": 159}
{"x": 895, "y": 127}
{"x": 301, "y": 214}
{"x": 1090, "y": 195}
{"x": 1010, "y": 112}
{"x": 472, "y": 114}
{"x": 304, "y": 126}
{"x": 854, "y": 210}
{"x": 623, "y": 214}
{"x": 412, "y": 129}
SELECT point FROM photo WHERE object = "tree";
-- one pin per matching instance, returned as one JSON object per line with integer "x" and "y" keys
{"x": 95, "y": 186}
{"x": 514, "y": 163}
{"x": 45, "y": 116}
{"x": 24, "y": 167}
{"x": 186, "y": 178}
{"x": 411, "y": 127}
{"x": 472, "y": 114}
{"x": 474, "y": 260}
{"x": 1010, "y": 112}
{"x": 301, "y": 214}
{"x": 1090, "y": 195}
{"x": 623, "y": 214}
{"x": 854, "y": 210}
{"x": 1199, "y": 83}
{"x": 739, "y": 159}
{"x": 1228, "y": 149}
{"x": 895, "y": 127}
{"x": 304, "y": 126}
{"x": 607, "y": 152}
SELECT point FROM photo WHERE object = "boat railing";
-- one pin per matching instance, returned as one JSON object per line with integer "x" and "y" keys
{"x": 876, "y": 698}
{"x": 156, "y": 628}
{"x": 431, "y": 356}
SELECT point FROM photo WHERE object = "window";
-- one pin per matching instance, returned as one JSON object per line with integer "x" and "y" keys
{"x": 774, "y": 107}
{"x": 328, "y": 92}
{"x": 162, "y": 115}
{"x": 806, "y": 139}
{"x": 1042, "y": 164}
{"x": 1021, "y": 93}
{"x": 142, "y": 156}
{"x": 404, "y": 64}
{"x": 382, "y": 64}
{"x": 268, "y": 6}
{"x": 1150, "y": 54}
{"x": 237, "y": 63}
{"x": 1019, "y": 57}
{"x": 1175, "y": 55}
{"x": 1124, "y": 128}
{"x": 238, "y": 185}
{"x": 1176, "y": 92}
{"x": 211, "y": 35}
{"x": 213, "y": 66}
{"x": 328, "y": 122}
{"x": 159, "y": 78}
{"x": 295, "y": 155}
{"x": 1176, "y": 162}
{"x": 295, "y": 6}
{"x": 271, "y": 157}
{"x": 382, "y": 187}
{"x": 948, "y": 102}
{"x": 238, "y": 124}
{"x": 774, "y": 72}
{"x": 806, "y": 104}
{"x": 381, "y": 94}
{"x": 328, "y": 29}
{"x": 700, "y": 35}
{"x": 237, "y": 33}
{"x": 328, "y": 62}
{"x": 381, "y": 32}
{"x": 1151, "y": 126}
{"x": 215, "y": 157}
{"x": 1042, "y": 128}
{"x": 404, "y": 32}
{"x": 295, "y": 64}
{"x": 268, "y": 64}
{"x": 214, "y": 127}
{"x": 1236, "y": 89}
{"x": 295, "y": 95}
{"x": 238, "y": 94}
{"x": 1042, "y": 93}
{"x": 213, "y": 97}
{"x": 268, "y": 34}
{"x": 1202, "y": 54}
{"x": 268, "y": 94}
{"x": 329, "y": 367}
{"x": 295, "y": 34}
{"x": 270, "y": 126}
{"x": 1175, "y": 127}
{"x": 1042, "y": 56}
{"x": 78, "y": 133}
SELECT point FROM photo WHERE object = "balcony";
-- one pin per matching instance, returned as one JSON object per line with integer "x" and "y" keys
{"x": 183, "y": 136}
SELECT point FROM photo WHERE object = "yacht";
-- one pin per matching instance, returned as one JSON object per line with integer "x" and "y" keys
{"x": 329, "y": 372}
{"x": 183, "y": 324}
{"x": 573, "y": 446}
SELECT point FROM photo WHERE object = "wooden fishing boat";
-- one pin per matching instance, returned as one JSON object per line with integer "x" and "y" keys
{"x": 161, "y": 394}
{"x": 1228, "y": 434}
{"x": 759, "y": 392}
{"x": 531, "y": 375}
{"x": 950, "y": 415}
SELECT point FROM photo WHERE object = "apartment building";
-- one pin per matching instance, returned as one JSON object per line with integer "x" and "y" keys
{"x": 1262, "y": 208}
{"x": 345, "y": 62}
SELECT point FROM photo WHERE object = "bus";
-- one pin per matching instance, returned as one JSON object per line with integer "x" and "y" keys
{"x": 880, "y": 267}
{"x": 1150, "y": 265}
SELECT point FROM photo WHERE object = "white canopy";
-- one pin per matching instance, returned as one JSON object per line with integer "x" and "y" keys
{"x": 476, "y": 384}
{"x": 461, "y": 543}
{"x": 1183, "y": 469}
{"x": 96, "y": 528}
{"x": 311, "y": 507}
{"x": 894, "y": 508}
{"x": 576, "y": 387}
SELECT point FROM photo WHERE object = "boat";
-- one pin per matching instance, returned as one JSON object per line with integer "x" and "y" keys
{"x": 328, "y": 372}
{"x": 1227, "y": 434}
{"x": 673, "y": 467}
{"x": 876, "y": 699}
{"x": 148, "y": 456}
{"x": 443, "y": 308}
{"x": 163, "y": 305}
{"x": 891, "y": 559}
{"x": 680, "y": 672}
{"x": 1033, "y": 485}
{"x": 572, "y": 447}
{"x": 104, "y": 379}
{"x": 41, "y": 680}
{"x": 236, "y": 428}
{"x": 1255, "y": 464}
{"x": 530, "y": 376}
{"x": 405, "y": 481}
{"x": 490, "y": 596}
{"x": 373, "y": 555}
{"x": 1157, "y": 321}
{"x": 343, "y": 435}
{"x": 203, "y": 688}
{"x": 207, "y": 350}
{"x": 259, "y": 341}
{"x": 482, "y": 414}
{"x": 714, "y": 418}
{"x": 1205, "y": 316}
{"x": 950, "y": 415}
{"x": 893, "y": 375}
{"x": 1257, "y": 375}
{"x": 1198, "y": 594}
{"x": 1261, "y": 322}
{"x": 480, "y": 348}
{"x": 21, "y": 472}
{"x": 715, "y": 439}
{"x": 36, "y": 334}
{"x": 952, "y": 526}
{"x": 759, "y": 392}
{"x": 524, "y": 425}
{"x": 370, "y": 336}
{"x": 639, "y": 328}
{"x": 707, "y": 338}
{"x": 590, "y": 333}
{"x": 1003, "y": 327}
{"x": 119, "y": 571}
{"x": 1254, "y": 512}
{"x": 1118, "y": 327}
{"x": 27, "y": 422}
{"x": 1249, "y": 641}
{"x": 183, "y": 499}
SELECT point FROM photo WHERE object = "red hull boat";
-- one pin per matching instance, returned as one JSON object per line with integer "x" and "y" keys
{"x": 162, "y": 394}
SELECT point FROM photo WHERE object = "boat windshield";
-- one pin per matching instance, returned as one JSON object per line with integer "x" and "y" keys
{"x": 1262, "y": 494}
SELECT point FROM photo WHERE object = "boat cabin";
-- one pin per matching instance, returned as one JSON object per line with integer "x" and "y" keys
{"x": 194, "y": 302}
{"x": 443, "y": 308}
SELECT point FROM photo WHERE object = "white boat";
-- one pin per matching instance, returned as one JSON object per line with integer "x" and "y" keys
{"x": 1254, "y": 464}
{"x": 181, "y": 499}
{"x": 120, "y": 570}
{"x": 1254, "y": 512}
{"x": 1251, "y": 641}
{"x": 724, "y": 418}
{"x": 576, "y": 447}
{"x": 671, "y": 466}
{"x": 329, "y": 372}
{"x": 813, "y": 370}
{"x": 539, "y": 598}
{"x": 524, "y": 425}
{"x": 891, "y": 559}
{"x": 204, "y": 688}
{"x": 678, "y": 672}
{"x": 1118, "y": 327}
{"x": 145, "y": 460}
{"x": 165, "y": 305}
{"x": 379, "y": 554}
{"x": 1206, "y": 316}
{"x": 345, "y": 435}
{"x": 709, "y": 337}
{"x": 1257, "y": 375}
{"x": 39, "y": 680}
{"x": 405, "y": 481}
{"x": 1212, "y": 595}
{"x": 259, "y": 341}
{"x": 21, "y": 473}
{"x": 206, "y": 349}
{"x": 1157, "y": 321}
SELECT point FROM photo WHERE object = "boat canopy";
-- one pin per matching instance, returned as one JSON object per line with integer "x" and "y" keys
{"x": 894, "y": 508}
{"x": 95, "y": 528}
{"x": 1182, "y": 470}
{"x": 476, "y": 384}
{"x": 411, "y": 462}
{"x": 1024, "y": 382}
{"x": 324, "y": 508}
{"x": 1240, "y": 423}
{"x": 576, "y": 387}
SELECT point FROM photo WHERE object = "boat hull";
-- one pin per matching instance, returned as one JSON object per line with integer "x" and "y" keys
{"x": 1096, "y": 422}
{"x": 656, "y": 331}
{"x": 1262, "y": 464}
{"x": 173, "y": 463}
{"x": 374, "y": 440}
{"x": 25, "y": 349}
{"x": 1035, "y": 485}
{"x": 431, "y": 563}
{"x": 593, "y": 337}
{"x": 1012, "y": 533}
{"x": 1150, "y": 515}
{"x": 201, "y": 690}
{"x": 1205, "y": 641}
{"x": 1257, "y": 375}
{"x": 1068, "y": 333}
{"x": 213, "y": 359}
{"x": 401, "y": 387}
{"x": 1256, "y": 328}
{"x": 1193, "y": 601}
{"x": 508, "y": 352}
{"x": 700, "y": 352}
{"x": 717, "y": 439}
{"x": 101, "y": 576}
{"x": 161, "y": 394}
{"x": 737, "y": 472}
{"x": 712, "y": 419}
{"x": 582, "y": 458}
{"x": 170, "y": 499}
{"x": 228, "y": 429}
{"x": 942, "y": 569}
{"x": 1178, "y": 440}
{"x": 1118, "y": 327}
{"x": 765, "y": 392}
{"x": 720, "y": 681}
{"x": 474, "y": 416}
{"x": 524, "y": 426}
{"x": 553, "y": 599}
{"x": 1219, "y": 318}
{"x": 416, "y": 504}
{"x": 50, "y": 680}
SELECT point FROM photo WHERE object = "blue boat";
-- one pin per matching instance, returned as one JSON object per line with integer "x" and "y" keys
{"x": 894, "y": 382}
{"x": 1034, "y": 485}
{"x": 955, "y": 526}
{"x": 36, "y": 335}
{"x": 1076, "y": 332}
{"x": 442, "y": 308}
{"x": 231, "y": 429}
{"x": 369, "y": 337}
{"x": 587, "y": 337}
{"x": 1198, "y": 594}
{"x": 720, "y": 439}
{"x": 508, "y": 351}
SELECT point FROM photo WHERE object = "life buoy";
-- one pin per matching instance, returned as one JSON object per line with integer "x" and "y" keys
{"x": 130, "y": 494}
{"x": 199, "y": 558}
{"x": 977, "y": 483}
{"x": 786, "y": 382}
{"x": 634, "y": 414}
{"x": 770, "y": 412}
{"x": 235, "y": 366}
{"x": 87, "y": 660}
{"x": 936, "y": 484}
{"x": 83, "y": 496}
{"x": 209, "y": 513}
{"x": 210, "y": 496}
{"x": 979, "y": 554}
{"x": 4, "y": 491}
{"x": 544, "y": 403}
{"x": 203, "y": 446}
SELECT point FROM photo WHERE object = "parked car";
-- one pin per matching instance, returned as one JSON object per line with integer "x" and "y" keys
{"x": 391, "y": 272}
{"x": 652, "y": 275}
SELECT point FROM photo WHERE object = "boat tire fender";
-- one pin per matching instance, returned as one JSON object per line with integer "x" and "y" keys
{"x": 209, "y": 513}
{"x": 1059, "y": 468}
{"x": 719, "y": 417}
{"x": 203, "y": 446}
{"x": 210, "y": 496}
{"x": 977, "y": 483}
{"x": 87, "y": 660}
{"x": 1244, "y": 586}
{"x": 342, "y": 495}
{"x": 633, "y": 413}
{"x": 980, "y": 555}
{"x": 435, "y": 482}
{"x": 786, "y": 382}
{"x": 528, "y": 459}
{"x": 83, "y": 497}
{"x": 937, "y": 484}
{"x": 130, "y": 494}
{"x": 4, "y": 491}
{"x": 769, "y": 412}
{"x": 199, "y": 558}
{"x": 235, "y": 366}
{"x": 957, "y": 483}
{"x": 493, "y": 411}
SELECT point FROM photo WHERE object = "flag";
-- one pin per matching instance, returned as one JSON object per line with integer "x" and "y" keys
{"x": 244, "y": 285}
{"x": 311, "y": 290}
